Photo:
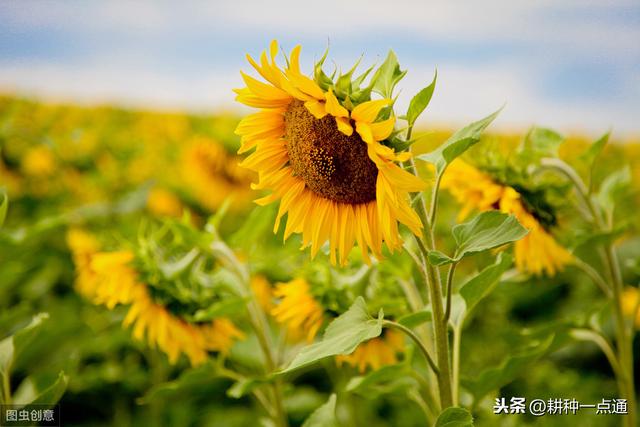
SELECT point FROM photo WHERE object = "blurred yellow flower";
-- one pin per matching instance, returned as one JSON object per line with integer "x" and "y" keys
{"x": 376, "y": 352}
{"x": 213, "y": 176}
{"x": 162, "y": 202}
{"x": 298, "y": 310}
{"x": 538, "y": 251}
{"x": 263, "y": 292}
{"x": 108, "y": 278}
{"x": 38, "y": 161}
{"x": 629, "y": 301}
{"x": 324, "y": 163}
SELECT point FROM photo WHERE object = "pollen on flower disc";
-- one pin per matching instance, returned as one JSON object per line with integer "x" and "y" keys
{"x": 332, "y": 164}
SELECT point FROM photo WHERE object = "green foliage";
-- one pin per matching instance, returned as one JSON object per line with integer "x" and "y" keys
{"x": 390, "y": 379}
{"x": 458, "y": 143}
{"x": 613, "y": 187}
{"x": 539, "y": 143}
{"x": 488, "y": 230}
{"x": 510, "y": 368}
{"x": 342, "y": 336}
{"x": 4, "y": 206}
{"x": 324, "y": 416}
{"x": 454, "y": 417}
{"x": 420, "y": 101}
{"x": 387, "y": 76}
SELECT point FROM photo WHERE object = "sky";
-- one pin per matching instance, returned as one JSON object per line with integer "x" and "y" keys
{"x": 573, "y": 65}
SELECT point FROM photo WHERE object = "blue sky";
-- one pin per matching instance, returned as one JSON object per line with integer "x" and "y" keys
{"x": 573, "y": 65}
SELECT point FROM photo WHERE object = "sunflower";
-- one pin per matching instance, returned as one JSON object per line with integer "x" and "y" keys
{"x": 213, "y": 176}
{"x": 376, "y": 352}
{"x": 538, "y": 251}
{"x": 326, "y": 163}
{"x": 298, "y": 310}
{"x": 108, "y": 278}
{"x": 162, "y": 202}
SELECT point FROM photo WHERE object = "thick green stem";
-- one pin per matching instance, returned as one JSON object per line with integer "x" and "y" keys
{"x": 457, "y": 335}
{"x": 452, "y": 269}
{"x": 434, "y": 284}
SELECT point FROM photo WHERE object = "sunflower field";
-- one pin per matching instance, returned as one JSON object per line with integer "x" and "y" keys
{"x": 316, "y": 262}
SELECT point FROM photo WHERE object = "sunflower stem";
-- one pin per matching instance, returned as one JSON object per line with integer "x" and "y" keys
{"x": 433, "y": 283}
{"x": 452, "y": 269}
{"x": 624, "y": 334}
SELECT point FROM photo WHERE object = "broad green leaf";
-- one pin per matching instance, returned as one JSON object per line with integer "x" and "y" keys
{"x": 594, "y": 150}
{"x": 243, "y": 387}
{"x": 481, "y": 285}
{"x": 324, "y": 416}
{"x": 488, "y": 230}
{"x": 12, "y": 346}
{"x": 420, "y": 101}
{"x": 454, "y": 417}
{"x": 613, "y": 187}
{"x": 386, "y": 380}
{"x": 418, "y": 318}
{"x": 228, "y": 306}
{"x": 387, "y": 76}
{"x": 458, "y": 143}
{"x": 539, "y": 143}
{"x": 342, "y": 336}
{"x": 438, "y": 258}
{"x": 188, "y": 382}
{"x": 4, "y": 205}
{"x": 494, "y": 378}
{"x": 33, "y": 392}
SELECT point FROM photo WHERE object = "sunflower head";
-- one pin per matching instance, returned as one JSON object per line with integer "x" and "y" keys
{"x": 160, "y": 309}
{"x": 323, "y": 147}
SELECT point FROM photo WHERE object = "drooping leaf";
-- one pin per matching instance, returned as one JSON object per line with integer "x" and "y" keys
{"x": 487, "y": 230}
{"x": 478, "y": 287}
{"x": 342, "y": 336}
{"x": 454, "y": 417}
{"x": 494, "y": 378}
{"x": 387, "y": 76}
{"x": 458, "y": 143}
{"x": 438, "y": 258}
{"x": 386, "y": 380}
{"x": 324, "y": 416}
{"x": 33, "y": 393}
{"x": 613, "y": 187}
{"x": 12, "y": 346}
{"x": 420, "y": 101}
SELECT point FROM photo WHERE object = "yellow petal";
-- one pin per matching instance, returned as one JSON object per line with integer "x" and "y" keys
{"x": 368, "y": 111}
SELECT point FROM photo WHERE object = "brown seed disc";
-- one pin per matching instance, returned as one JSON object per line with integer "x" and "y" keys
{"x": 332, "y": 164}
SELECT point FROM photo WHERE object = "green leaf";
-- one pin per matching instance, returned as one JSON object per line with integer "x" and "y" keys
{"x": 228, "y": 306}
{"x": 386, "y": 380}
{"x": 415, "y": 319}
{"x": 454, "y": 417}
{"x": 478, "y": 287}
{"x": 4, "y": 206}
{"x": 243, "y": 387}
{"x": 420, "y": 101}
{"x": 324, "y": 416}
{"x": 33, "y": 392}
{"x": 342, "y": 336}
{"x": 438, "y": 258}
{"x": 613, "y": 187}
{"x": 539, "y": 143}
{"x": 190, "y": 381}
{"x": 387, "y": 76}
{"x": 488, "y": 230}
{"x": 494, "y": 378}
{"x": 458, "y": 143}
{"x": 12, "y": 346}
{"x": 594, "y": 150}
